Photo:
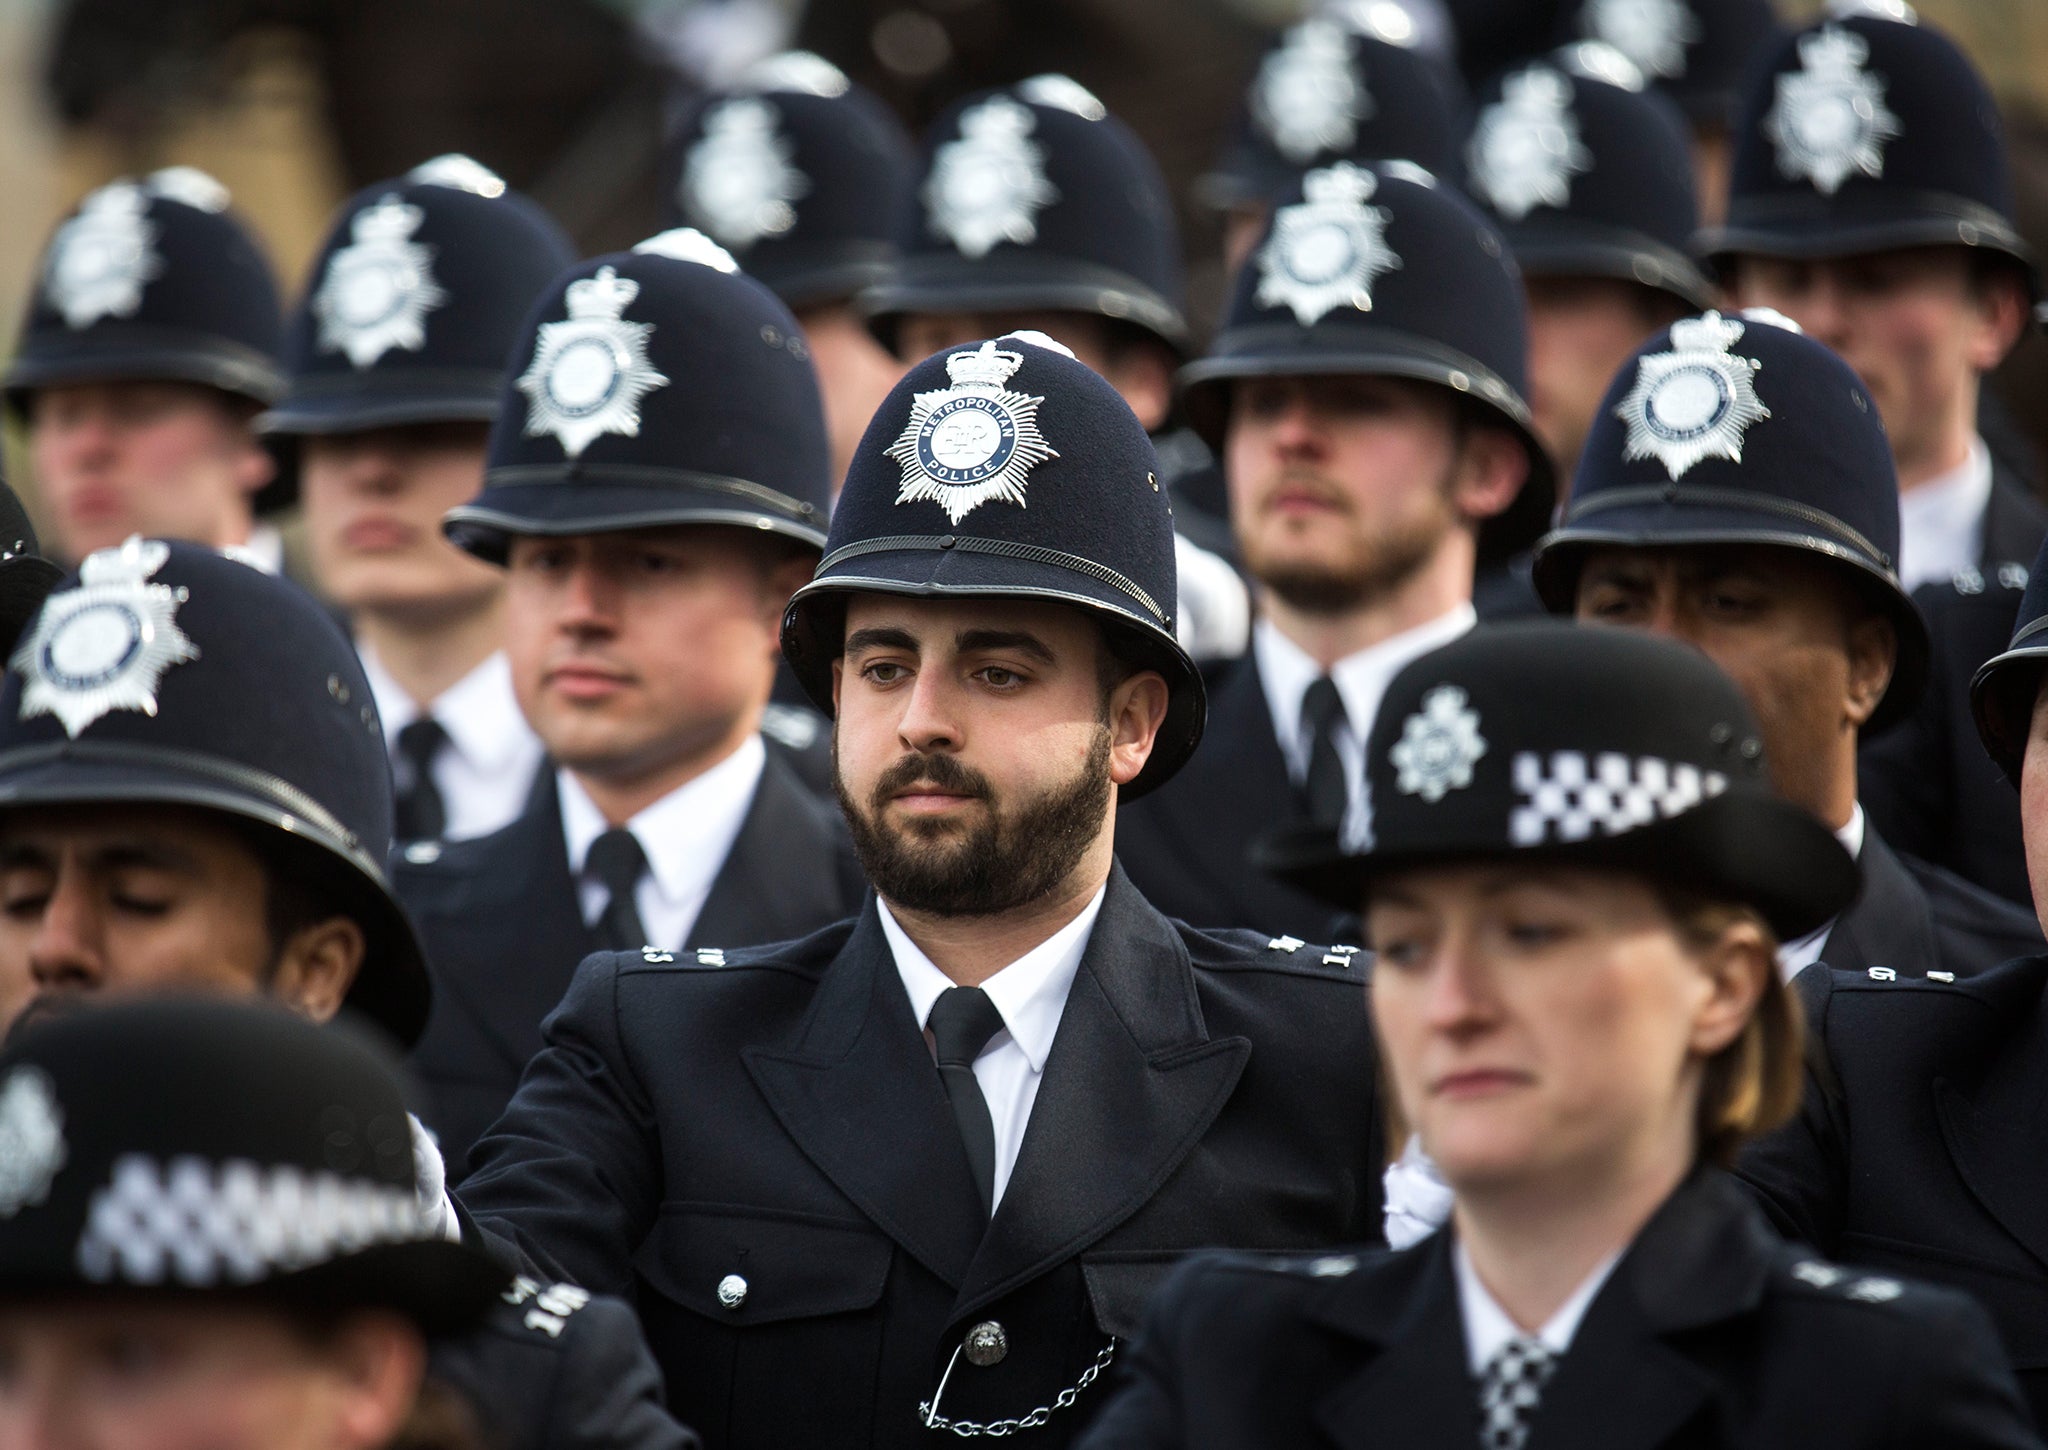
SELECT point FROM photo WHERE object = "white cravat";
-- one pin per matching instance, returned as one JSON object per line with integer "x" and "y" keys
{"x": 1941, "y": 522}
{"x": 486, "y": 771}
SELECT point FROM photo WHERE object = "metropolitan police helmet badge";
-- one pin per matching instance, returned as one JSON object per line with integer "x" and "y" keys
{"x": 1526, "y": 149}
{"x": 590, "y": 371}
{"x": 1439, "y": 745}
{"x": 105, "y": 644}
{"x": 103, "y": 257}
{"x": 380, "y": 287}
{"x": 1695, "y": 401}
{"x": 31, "y": 1139}
{"x": 1652, "y": 33}
{"x": 1326, "y": 250}
{"x": 989, "y": 184}
{"x": 974, "y": 441}
{"x": 1307, "y": 98}
{"x": 1830, "y": 118}
{"x": 739, "y": 179}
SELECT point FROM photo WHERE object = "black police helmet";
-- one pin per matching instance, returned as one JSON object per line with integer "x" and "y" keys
{"x": 1863, "y": 135}
{"x": 652, "y": 388}
{"x": 1697, "y": 52}
{"x": 165, "y": 673}
{"x": 2003, "y": 694}
{"x": 1008, "y": 469}
{"x": 1606, "y": 748}
{"x": 180, "y": 1148}
{"x": 1379, "y": 270}
{"x": 152, "y": 280}
{"x": 1327, "y": 91}
{"x": 1739, "y": 429}
{"x": 1035, "y": 197}
{"x": 1586, "y": 174}
{"x": 800, "y": 174}
{"x": 26, "y": 577}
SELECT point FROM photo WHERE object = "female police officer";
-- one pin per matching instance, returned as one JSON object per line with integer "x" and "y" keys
{"x": 1573, "y": 876}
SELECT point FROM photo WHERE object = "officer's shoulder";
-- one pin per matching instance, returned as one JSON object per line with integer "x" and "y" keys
{"x": 805, "y": 956}
{"x": 1813, "y": 1285}
{"x": 1994, "y": 998}
{"x": 1227, "y": 949}
{"x": 441, "y": 861}
{"x": 1228, "y": 1277}
{"x": 1993, "y": 588}
{"x": 1958, "y": 902}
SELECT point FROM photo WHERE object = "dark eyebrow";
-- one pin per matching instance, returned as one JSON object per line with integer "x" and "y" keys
{"x": 111, "y": 856}
{"x": 983, "y": 641}
{"x": 881, "y": 637}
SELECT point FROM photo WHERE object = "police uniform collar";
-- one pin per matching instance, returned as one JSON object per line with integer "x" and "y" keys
{"x": 478, "y": 711}
{"x": 686, "y": 834}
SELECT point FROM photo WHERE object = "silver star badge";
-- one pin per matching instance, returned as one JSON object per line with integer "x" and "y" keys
{"x": 1439, "y": 745}
{"x": 31, "y": 1139}
{"x": 1307, "y": 98}
{"x": 1829, "y": 119}
{"x": 1695, "y": 401}
{"x": 989, "y": 185}
{"x": 738, "y": 180}
{"x": 974, "y": 441}
{"x": 1652, "y": 33}
{"x": 103, "y": 258}
{"x": 590, "y": 372}
{"x": 104, "y": 645}
{"x": 1327, "y": 249}
{"x": 379, "y": 288}
{"x": 1525, "y": 149}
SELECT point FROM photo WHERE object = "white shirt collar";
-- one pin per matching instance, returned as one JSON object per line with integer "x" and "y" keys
{"x": 1795, "y": 957}
{"x": 687, "y": 834}
{"x": 1941, "y": 522}
{"x": 1488, "y": 1327}
{"x": 472, "y": 710}
{"x": 1031, "y": 992}
{"x": 263, "y": 549}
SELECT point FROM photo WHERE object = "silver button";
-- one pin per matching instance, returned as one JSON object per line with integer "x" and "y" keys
{"x": 987, "y": 1343}
{"x": 423, "y": 853}
{"x": 732, "y": 1291}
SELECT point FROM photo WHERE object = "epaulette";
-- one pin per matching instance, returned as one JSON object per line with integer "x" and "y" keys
{"x": 1832, "y": 1281}
{"x": 792, "y": 725}
{"x": 1231, "y": 948}
{"x": 2010, "y": 575}
{"x": 1332, "y": 956}
{"x": 547, "y": 1306}
{"x": 1890, "y": 976}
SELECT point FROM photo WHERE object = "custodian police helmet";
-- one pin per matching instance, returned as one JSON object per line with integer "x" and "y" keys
{"x": 1587, "y": 175}
{"x": 26, "y": 577}
{"x": 1738, "y": 429}
{"x": 2003, "y": 694}
{"x": 1697, "y": 52}
{"x": 1865, "y": 134}
{"x": 1035, "y": 197}
{"x": 152, "y": 280}
{"x": 166, "y": 673}
{"x": 651, "y": 388}
{"x": 800, "y": 174}
{"x": 1379, "y": 270}
{"x": 1604, "y": 747}
{"x": 1007, "y": 468}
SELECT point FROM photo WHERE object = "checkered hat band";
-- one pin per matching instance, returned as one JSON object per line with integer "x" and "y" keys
{"x": 201, "y": 1224}
{"x": 1568, "y": 795}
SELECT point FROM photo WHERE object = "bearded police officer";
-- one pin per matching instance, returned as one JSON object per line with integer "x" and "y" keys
{"x": 657, "y": 488}
{"x": 150, "y": 343}
{"x": 394, "y": 359}
{"x": 803, "y": 176}
{"x": 1366, "y": 395}
{"x": 761, "y": 1144}
{"x": 1736, "y": 492}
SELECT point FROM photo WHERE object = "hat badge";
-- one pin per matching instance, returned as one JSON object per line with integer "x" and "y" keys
{"x": 1695, "y": 401}
{"x": 380, "y": 287}
{"x": 1439, "y": 745}
{"x": 590, "y": 371}
{"x": 104, "y": 645}
{"x": 1307, "y": 98}
{"x": 738, "y": 180}
{"x": 1652, "y": 33}
{"x": 31, "y": 1139}
{"x": 104, "y": 257}
{"x": 989, "y": 185}
{"x": 1829, "y": 119}
{"x": 1526, "y": 148}
{"x": 974, "y": 441}
{"x": 1328, "y": 249}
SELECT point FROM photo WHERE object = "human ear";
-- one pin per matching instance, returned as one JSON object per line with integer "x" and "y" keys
{"x": 1736, "y": 969}
{"x": 1873, "y": 646}
{"x": 1491, "y": 469}
{"x": 1137, "y": 708}
{"x": 318, "y": 965}
{"x": 378, "y": 1363}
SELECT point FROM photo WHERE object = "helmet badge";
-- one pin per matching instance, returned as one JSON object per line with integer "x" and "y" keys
{"x": 1526, "y": 148}
{"x": 1328, "y": 249}
{"x": 590, "y": 371}
{"x": 1307, "y": 99}
{"x": 738, "y": 181}
{"x": 1830, "y": 119}
{"x": 104, "y": 645}
{"x": 989, "y": 185}
{"x": 974, "y": 441}
{"x": 1652, "y": 33}
{"x": 380, "y": 287}
{"x": 103, "y": 257}
{"x": 1695, "y": 401}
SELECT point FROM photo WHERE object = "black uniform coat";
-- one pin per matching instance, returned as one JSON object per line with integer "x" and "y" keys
{"x": 1923, "y": 1143}
{"x": 778, "y": 1120}
{"x": 503, "y": 926}
{"x": 1916, "y": 918}
{"x": 2015, "y": 522}
{"x": 1704, "y": 1335}
{"x": 1187, "y": 845}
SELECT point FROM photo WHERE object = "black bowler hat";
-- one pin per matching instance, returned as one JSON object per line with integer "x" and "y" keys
{"x": 1327, "y": 91}
{"x": 181, "y": 1148}
{"x": 1739, "y": 429}
{"x": 800, "y": 174}
{"x": 1006, "y": 468}
{"x": 1380, "y": 270}
{"x": 1586, "y": 173}
{"x": 152, "y": 280}
{"x": 416, "y": 297}
{"x": 1697, "y": 52}
{"x": 1035, "y": 197}
{"x": 165, "y": 673}
{"x": 1863, "y": 135}
{"x": 2003, "y": 694}
{"x": 1540, "y": 740}
{"x": 652, "y": 388}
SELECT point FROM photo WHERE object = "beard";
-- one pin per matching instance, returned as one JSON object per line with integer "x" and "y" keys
{"x": 1010, "y": 856}
{"x": 1380, "y": 561}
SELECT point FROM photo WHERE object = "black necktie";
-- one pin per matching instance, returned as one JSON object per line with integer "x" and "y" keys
{"x": 618, "y": 863}
{"x": 421, "y": 814}
{"x": 962, "y": 1022}
{"x": 1322, "y": 712}
{"x": 1510, "y": 1391}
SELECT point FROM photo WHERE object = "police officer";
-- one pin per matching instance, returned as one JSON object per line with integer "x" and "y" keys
{"x": 657, "y": 488}
{"x": 1574, "y": 874}
{"x": 760, "y": 1143}
{"x": 1737, "y": 493}
{"x": 1940, "y": 1074}
{"x": 1366, "y": 396}
{"x": 150, "y": 343}
{"x": 803, "y": 176}
{"x": 394, "y": 358}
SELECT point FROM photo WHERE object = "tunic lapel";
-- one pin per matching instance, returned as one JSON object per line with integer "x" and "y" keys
{"x": 1994, "y": 1126}
{"x": 1415, "y": 1390}
{"x": 1889, "y": 923}
{"x": 778, "y": 880}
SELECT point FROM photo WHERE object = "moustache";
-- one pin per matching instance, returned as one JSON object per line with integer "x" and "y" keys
{"x": 942, "y": 772}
